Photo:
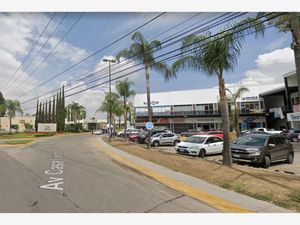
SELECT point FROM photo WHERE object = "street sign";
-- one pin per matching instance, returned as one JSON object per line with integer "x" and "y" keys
{"x": 149, "y": 126}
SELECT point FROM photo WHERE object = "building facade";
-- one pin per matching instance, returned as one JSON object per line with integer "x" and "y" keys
{"x": 199, "y": 109}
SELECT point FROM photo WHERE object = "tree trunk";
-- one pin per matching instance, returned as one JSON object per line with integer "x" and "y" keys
{"x": 125, "y": 118}
{"x": 148, "y": 104}
{"x": 295, "y": 28}
{"x": 227, "y": 160}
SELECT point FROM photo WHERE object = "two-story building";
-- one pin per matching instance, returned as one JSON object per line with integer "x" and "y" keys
{"x": 199, "y": 109}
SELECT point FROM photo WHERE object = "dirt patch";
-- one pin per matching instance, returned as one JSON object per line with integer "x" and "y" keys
{"x": 258, "y": 183}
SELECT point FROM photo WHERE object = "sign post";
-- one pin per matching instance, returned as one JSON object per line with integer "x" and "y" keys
{"x": 149, "y": 126}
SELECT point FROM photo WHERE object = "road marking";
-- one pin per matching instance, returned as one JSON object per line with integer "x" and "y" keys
{"x": 216, "y": 202}
{"x": 56, "y": 168}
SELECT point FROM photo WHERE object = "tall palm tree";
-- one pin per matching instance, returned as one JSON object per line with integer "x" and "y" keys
{"x": 235, "y": 96}
{"x": 142, "y": 51}
{"x": 12, "y": 107}
{"x": 124, "y": 90}
{"x": 213, "y": 55}
{"x": 288, "y": 22}
{"x": 111, "y": 102}
{"x": 76, "y": 112}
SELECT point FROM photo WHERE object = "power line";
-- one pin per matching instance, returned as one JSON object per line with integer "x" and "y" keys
{"x": 37, "y": 67}
{"x": 33, "y": 46}
{"x": 60, "y": 22}
{"x": 181, "y": 53}
{"x": 93, "y": 54}
{"x": 226, "y": 19}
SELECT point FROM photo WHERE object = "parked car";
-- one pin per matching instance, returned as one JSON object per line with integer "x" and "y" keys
{"x": 133, "y": 137}
{"x": 190, "y": 133}
{"x": 128, "y": 132}
{"x": 263, "y": 149}
{"x": 98, "y": 132}
{"x": 217, "y": 133}
{"x": 164, "y": 139}
{"x": 200, "y": 145}
{"x": 292, "y": 135}
{"x": 270, "y": 131}
{"x": 144, "y": 134}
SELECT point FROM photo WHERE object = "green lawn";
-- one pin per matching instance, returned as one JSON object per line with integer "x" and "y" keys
{"x": 18, "y": 142}
{"x": 14, "y": 136}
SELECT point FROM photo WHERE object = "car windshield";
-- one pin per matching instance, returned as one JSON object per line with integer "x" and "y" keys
{"x": 251, "y": 140}
{"x": 195, "y": 139}
{"x": 156, "y": 135}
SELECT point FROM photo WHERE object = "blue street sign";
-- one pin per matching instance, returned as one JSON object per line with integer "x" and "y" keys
{"x": 149, "y": 126}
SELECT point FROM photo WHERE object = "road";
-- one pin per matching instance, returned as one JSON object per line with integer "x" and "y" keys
{"x": 70, "y": 174}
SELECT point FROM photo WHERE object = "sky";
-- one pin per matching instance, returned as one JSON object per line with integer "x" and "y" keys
{"x": 263, "y": 60}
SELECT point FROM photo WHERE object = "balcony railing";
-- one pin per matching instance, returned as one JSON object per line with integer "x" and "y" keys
{"x": 181, "y": 113}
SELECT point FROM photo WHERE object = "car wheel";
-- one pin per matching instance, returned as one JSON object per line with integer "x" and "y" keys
{"x": 202, "y": 153}
{"x": 294, "y": 139}
{"x": 267, "y": 162}
{"x": 290, "y": 158}
{"x": 176, "y": 143}
{"x": 155, "y": 143}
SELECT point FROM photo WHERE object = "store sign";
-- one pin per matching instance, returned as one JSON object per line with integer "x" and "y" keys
{"x": 152, "y": 103}
{"x": 250, "y": 98}
{"x": 47, "y": 127}
{"x": 293, "y": 116}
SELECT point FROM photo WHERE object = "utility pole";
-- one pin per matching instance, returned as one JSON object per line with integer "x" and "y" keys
{"x": 110, "y": 111}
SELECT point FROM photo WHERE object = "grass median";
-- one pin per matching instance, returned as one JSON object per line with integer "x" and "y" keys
{"x": 18, "y": 142}
{"x": 279, "y": 189}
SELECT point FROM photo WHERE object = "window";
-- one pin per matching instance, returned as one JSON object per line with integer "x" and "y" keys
{"x": 213, "y": 140}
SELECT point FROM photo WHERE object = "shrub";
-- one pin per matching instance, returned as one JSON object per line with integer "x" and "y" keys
{"x": 74, "y": 128}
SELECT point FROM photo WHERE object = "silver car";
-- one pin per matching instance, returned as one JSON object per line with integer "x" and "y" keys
{"x": 164, "y": 139}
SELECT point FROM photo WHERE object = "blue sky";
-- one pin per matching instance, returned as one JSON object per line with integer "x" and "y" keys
{"x": 262, "y": 60}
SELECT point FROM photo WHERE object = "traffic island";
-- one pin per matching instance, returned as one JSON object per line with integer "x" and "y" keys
{"x": 261, "y": 184}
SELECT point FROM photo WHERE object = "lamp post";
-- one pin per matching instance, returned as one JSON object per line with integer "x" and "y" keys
{"x": 109, "y": 75}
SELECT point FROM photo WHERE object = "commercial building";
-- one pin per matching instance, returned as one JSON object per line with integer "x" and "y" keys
{"x": 199, "y": 109}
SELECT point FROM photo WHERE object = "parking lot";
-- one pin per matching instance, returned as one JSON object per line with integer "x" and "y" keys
{"x": 278, "y": 167}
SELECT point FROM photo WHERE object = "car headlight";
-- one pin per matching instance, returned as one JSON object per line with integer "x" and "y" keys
{"x": 253, "y": 151}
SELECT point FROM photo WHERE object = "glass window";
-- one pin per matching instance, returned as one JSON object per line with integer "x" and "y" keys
{"x": 196, "y": 139}
{"x": 251, "y": 140}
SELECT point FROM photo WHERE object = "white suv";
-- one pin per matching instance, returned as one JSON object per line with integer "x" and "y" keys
{"x": 164, "y": 139}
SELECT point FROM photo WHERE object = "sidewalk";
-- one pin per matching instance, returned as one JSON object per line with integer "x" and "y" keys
{"x": 222, "y": 199}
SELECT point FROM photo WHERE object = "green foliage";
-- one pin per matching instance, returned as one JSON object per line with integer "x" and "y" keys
{"x": 50, "y": 134}
{"x": 74, "y": 128}
{"x": 2, "y": 105}
{"x": 28, "y": 126}
{"x": 75, "y": 112}
{"x": 14, "y": 126}
{"x": 295, "y": 196}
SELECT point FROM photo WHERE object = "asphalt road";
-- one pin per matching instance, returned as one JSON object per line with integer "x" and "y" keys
{"x": 69, "y": 174}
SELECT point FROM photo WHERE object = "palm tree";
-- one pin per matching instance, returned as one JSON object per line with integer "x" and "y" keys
{"x": 76, "y": 112}
{"x": 123, "y": 89}
{"x": 288, "y": 22}
{"x": 142, "y": 51}
{"x": 213, "y": 55}
{"x": 235, "y": 96}
{"x": 111, "y": 102}
{"x": 12, "y": 107}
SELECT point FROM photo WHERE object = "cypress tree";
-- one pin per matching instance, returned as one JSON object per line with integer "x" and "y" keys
{"x": 63, "y": 109}
{"x": 57, "y": 111}
{"x": 40, "y": 113}
{"x": 53, "y": 120}
{"x": 37, "y": 116}
{"x": 43, "y": 113}
{"x": 46, "y": 112}
{"x": 49, "y": 112}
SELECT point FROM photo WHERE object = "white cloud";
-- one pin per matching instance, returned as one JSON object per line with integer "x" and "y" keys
{"x": 270, "y": 67}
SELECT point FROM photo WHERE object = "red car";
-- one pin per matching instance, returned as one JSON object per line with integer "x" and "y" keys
{"x": 133, "y": 137}
{"x": 217, "y": 133}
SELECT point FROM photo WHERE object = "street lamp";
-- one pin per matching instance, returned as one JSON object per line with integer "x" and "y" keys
{"x": 109, "y": 75}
